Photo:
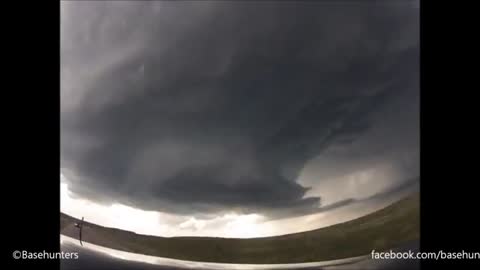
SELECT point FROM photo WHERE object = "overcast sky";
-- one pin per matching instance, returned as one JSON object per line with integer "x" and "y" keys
{"x": 197, "y": 111}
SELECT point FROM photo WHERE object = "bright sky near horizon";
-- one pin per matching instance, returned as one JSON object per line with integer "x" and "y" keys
{"x": 229, "y": 225}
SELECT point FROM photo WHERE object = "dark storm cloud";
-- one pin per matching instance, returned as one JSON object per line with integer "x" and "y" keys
{"x": 197, "y": 107}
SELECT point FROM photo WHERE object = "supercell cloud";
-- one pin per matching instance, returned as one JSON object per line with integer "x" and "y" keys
{"x": 202, "y": 107}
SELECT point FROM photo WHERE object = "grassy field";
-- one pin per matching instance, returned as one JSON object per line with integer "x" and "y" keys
{"x": 390, "y": 227}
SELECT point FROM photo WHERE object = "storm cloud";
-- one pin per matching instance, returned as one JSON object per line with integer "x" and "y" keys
{"x": 203, "y": 107}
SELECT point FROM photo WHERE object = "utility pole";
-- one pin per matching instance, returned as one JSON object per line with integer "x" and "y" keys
{"x": 80, "y": 226}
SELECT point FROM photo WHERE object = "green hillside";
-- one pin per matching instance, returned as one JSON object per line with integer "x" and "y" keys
{"x": 387, "y": 228}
